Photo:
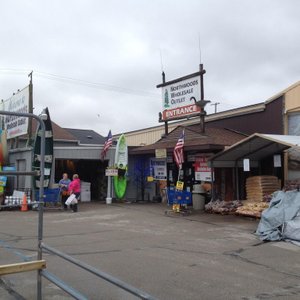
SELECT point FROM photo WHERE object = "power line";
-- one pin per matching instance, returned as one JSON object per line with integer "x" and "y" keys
{"x": 76, "y": 81}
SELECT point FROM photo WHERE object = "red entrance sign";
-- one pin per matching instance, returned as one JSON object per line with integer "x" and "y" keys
{"x": 180, "y": 111}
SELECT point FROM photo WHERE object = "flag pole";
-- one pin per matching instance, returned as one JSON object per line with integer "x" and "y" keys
{"x": 179, "y": 169}
{"x": 106, "y": 146}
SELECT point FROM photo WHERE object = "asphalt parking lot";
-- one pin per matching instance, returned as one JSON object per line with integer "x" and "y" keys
{"x": 199, "y": 256}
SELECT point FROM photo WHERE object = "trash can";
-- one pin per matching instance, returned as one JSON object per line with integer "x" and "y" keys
{"x": 198, "y": 197}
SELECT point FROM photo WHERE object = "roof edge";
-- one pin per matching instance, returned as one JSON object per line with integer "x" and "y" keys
{"x": 277, "y": 95}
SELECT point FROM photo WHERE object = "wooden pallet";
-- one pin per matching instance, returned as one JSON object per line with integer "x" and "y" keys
{"x": 259, "y": 186}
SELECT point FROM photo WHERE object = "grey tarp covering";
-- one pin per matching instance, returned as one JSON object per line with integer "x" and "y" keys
{"x": 280, "y": 220}
{"x": 291, "y": 230}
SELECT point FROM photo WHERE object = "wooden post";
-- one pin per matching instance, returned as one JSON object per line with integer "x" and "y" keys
{"x": 201, "y": 82}
{"x": 166, "y": 122}
{"x": 202, "y": 113}
{"x": 22, "y": 267}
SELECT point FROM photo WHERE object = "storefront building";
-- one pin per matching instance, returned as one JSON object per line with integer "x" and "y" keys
{"x": 198, "y": 147}
{"x": 151, "y": 164}
{"x": 278, "y": 115}
{"x": 74, "y": 151}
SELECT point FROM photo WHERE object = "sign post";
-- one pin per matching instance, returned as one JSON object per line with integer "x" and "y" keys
{"x": 182, "y": 97}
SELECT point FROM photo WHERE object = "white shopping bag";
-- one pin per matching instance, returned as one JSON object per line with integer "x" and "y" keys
{"x": 71, "y": 200}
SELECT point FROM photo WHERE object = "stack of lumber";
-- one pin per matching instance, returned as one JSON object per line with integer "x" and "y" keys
{"x": 252, "y": 209}
{"x": 259, "y": 186}
{"x": 259, "y": 190}
{"x": 222, "y": 207}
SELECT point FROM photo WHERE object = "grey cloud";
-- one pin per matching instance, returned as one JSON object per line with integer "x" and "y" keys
{"x": 249, "y": 50}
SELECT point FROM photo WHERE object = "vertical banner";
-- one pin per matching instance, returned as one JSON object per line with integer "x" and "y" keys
{"x": 202, "y": 170}
{"x": 3, "y": 147}
{"x": 15, "y": 125}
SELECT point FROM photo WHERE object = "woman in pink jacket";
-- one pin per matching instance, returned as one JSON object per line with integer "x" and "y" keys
{"x": 74, "y": 188}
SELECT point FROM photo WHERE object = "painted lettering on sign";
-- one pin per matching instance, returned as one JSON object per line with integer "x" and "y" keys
{"x": 177, "y": 98}
{"x": 180, "y": 111}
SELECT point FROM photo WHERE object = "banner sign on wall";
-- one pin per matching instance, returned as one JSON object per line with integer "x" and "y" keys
{"x": 159, "y": 167}
{"x": 160, "y": 153}
{"x": 202, "y": 170}
{"x": 178, "y": 98}
{"x": 246, "y": 164}
{"x": 15, "y": 125}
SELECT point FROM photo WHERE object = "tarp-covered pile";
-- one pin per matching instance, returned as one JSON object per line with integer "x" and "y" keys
{"x": 281, "y": 221}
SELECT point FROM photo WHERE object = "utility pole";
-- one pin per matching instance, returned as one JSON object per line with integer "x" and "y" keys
{"x": 30, "y": 109}
{"x": 215, "y": 105}
{"x": 166, "y": 122}
{"x": 201, "y": 103}
{"x": 202, "y": 72}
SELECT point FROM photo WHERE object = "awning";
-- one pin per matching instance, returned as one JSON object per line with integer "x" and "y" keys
{"x": 255, "y": 147}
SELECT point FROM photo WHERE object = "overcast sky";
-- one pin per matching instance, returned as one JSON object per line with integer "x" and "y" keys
{"x": 96, "y": 63}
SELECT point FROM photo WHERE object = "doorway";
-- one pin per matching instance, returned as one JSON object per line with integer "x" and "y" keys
{"x": 89, "y": 170}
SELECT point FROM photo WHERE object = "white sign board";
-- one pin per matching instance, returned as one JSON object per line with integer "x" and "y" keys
{"x": 202, "y": 171}
{"x": 159, "y": 167}
{"x": 246, "y": 164}
{"x": 176, "y": 98}
{"x": 111, "y": 172}
{"x": 160, "y": 153}
{"x": 15, "y": 125}
{"x": 277, "y": 160}
{"x": 202, "y": 176}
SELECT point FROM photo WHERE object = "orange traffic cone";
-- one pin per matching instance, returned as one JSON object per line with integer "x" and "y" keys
{"x": 24, "y": 206}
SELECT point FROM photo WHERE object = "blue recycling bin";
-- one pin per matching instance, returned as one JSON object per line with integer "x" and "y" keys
{"x": 50, "y": 195}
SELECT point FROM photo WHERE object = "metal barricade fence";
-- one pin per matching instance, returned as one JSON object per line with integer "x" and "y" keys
{"x": 77, "y": 295}
{"x": 42, "y": 272}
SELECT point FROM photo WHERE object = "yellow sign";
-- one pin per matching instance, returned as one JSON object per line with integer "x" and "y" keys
{"x": 179, "y": 185}
{"x": 150, "y": 178}
{"x": 160, "y": 153}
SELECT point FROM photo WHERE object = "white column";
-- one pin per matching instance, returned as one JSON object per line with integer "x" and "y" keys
{"x": 108, "y": 195}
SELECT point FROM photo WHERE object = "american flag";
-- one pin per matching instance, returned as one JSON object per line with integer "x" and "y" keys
{"x": 107, "y": 144}
{"x": 178, "y": 151}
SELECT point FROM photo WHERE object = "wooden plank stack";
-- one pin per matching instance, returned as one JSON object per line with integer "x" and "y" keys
{"x": 259, "y": 186}
{"x": 252, "y": 209}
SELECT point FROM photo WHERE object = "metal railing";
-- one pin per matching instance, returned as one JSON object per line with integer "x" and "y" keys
{"x": 113, "y": 280}
{"x": 51, "y": 277}
{"x": 41, "y": 191}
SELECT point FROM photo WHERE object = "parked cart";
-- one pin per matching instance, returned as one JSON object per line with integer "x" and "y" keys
{"x": 51, "y": 199}
{"x": 179, "y": 201}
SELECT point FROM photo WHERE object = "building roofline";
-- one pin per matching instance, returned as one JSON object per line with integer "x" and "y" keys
{"x": 274, "y": 97}
{"x": 229, "y": 113}
{"x": 223, "y": 114}
{"x": 86, "y": 147}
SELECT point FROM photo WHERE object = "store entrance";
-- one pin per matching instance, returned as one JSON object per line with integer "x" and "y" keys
{"x": 89, "y": 170}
